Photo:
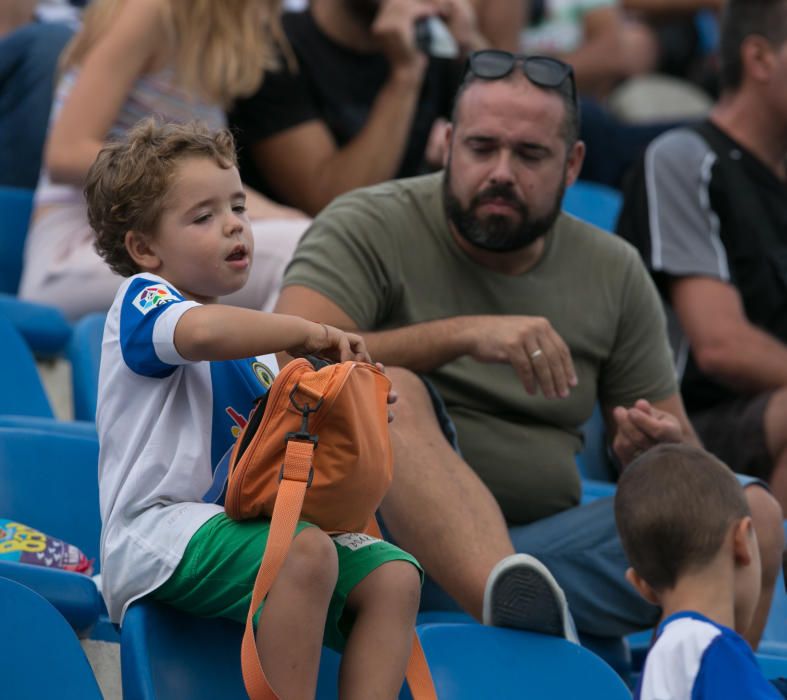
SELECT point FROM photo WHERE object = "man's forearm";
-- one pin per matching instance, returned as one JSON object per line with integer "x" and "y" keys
{"x": 422, "y": 347}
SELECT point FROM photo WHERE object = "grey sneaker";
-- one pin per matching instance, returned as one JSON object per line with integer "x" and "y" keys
{"x": 521, "y": 593}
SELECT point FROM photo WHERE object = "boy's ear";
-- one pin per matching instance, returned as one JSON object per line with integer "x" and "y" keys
{"x": 743, "y": 541}
{"x": 642, "y": 586}
{"x": 141, "y": 252}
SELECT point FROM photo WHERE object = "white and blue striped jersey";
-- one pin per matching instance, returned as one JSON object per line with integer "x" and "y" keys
{"x": 695, "y": 658}
{"x": 166, "y": 426}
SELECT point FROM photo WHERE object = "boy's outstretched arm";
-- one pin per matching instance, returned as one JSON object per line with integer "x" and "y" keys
{"x": 218, "y": 332}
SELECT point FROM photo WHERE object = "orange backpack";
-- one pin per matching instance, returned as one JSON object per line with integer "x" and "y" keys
{"x": 316, "y": 447}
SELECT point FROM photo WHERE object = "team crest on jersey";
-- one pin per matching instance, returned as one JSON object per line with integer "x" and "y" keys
{"x": 263, "y": 373}
{"x": 151, "y": 297}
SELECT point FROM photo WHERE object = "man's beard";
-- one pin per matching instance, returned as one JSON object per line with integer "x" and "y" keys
{"x": 498, "y": 233}
{"x": 365, "y": 11}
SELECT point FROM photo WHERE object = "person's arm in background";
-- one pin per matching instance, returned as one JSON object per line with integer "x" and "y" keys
{"x": 15, "y": 14}
{"x": 306, "y": 167}
{"x": 107, "y": 73}
{"x": 502, "y": 21}
{"x": 610, "y": 51}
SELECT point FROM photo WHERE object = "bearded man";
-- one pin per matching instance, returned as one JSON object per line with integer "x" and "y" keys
{"x": 519, "y": 318}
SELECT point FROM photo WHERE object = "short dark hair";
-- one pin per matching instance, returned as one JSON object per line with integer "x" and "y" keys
{"x": 128, "y": 183}
{"x": 674, "y": 506}
{"x": 571, "y": 121}
{"x": 741, "y": 19}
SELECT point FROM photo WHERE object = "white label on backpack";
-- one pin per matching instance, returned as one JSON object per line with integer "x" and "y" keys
{"x": 354, "y": 540}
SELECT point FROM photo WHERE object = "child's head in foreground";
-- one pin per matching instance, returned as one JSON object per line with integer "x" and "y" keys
{"x": 682, "y": 514}
{"x": 168, "y": 200}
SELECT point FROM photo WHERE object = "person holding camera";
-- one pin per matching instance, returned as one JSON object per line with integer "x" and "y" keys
{"x": 359, "y": 106}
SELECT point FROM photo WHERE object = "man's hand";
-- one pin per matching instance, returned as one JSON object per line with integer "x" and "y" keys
{"x": 394, "y": 28}
{"x": 530, "y": 345}
{"x": 331, "y": 344}
{"x": 641, "y": 427}
{"x": 460, "y": 18}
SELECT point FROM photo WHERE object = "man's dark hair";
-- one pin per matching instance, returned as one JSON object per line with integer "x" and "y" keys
{"x": 570, "y": 126}
{"x": 674, "y": 506}
{"x": 741, "y": 19}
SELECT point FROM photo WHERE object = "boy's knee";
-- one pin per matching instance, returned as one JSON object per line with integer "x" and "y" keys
{"x": 312, "y": 562}
{"x": 398, "y": 585}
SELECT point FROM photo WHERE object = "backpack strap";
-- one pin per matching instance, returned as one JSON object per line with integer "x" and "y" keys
{"x": 296, "y": 477}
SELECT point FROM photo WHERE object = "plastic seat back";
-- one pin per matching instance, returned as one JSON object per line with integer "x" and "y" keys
{"x": 22, "y": 392}
{"x": 49, "y": 481}
{"x": 84, "y": 351}
{"x": 473, "y": 661}
{"x": 597, "y": 204}
{"x": 41, "y": 655}
{"x": 15, "y": 207}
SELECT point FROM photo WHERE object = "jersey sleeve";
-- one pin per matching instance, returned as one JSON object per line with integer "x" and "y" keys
{"x": 150, "y": 310}
{"x": 729, "y": 671}
{"x": 683, "y": 228}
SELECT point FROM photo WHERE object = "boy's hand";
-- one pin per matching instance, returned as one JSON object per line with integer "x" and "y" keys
{"x": 332, "y": 344}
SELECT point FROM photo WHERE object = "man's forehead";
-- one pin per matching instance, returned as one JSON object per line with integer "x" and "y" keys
{"x": 510, "y": 105}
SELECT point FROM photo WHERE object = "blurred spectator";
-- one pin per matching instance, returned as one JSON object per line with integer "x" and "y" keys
{"x": 178, "y": 60}
{"x": 360, "y": 108}
{"x": 593, "y": 36}
{"x": 32, "y": 35}
{"x": 708, "y": 210}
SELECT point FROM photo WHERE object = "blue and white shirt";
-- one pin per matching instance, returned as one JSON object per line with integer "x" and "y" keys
{"x": 696, "y": 659}
{"x": 165, "y": 426}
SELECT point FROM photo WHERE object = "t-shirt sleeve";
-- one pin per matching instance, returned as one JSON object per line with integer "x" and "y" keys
{"x": 683, "y": 228}
{"x": 729, "y": 672}
{"x": 281, "y": 102}
{"x": 346, "y": 255}
{"x": 150, "y": 310}
{"x": 640, "y": 364}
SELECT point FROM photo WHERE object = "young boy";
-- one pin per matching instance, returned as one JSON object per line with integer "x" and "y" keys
{"x": 178, "y": 374}
{"x": 687, "y": 531}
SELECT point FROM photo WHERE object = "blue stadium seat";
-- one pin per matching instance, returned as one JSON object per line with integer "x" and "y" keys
{"x": 48, "y": 481}
{"x": 163, "y": 654}
{"x": 597, "y": 204}
{"x": 15, "y": 208}
{"x": 84, "y": 351}
{"x": 41, "y": 656}
{"x": 44, "y": 328}
{"x": 472, "y": 661}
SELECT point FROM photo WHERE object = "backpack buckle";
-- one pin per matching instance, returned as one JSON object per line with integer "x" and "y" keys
{"x": 308, "y": 480}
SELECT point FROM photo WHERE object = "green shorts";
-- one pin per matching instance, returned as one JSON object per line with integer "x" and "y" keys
{"x": 216, "y": 576}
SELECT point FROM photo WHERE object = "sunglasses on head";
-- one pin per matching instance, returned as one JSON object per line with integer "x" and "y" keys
{"x": 544, "y": 71}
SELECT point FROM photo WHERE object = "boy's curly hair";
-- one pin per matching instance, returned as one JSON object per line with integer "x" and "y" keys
{"x": 129, "y": 181}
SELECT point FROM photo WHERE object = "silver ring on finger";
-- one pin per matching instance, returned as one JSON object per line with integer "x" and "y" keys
{"x": 536, "y": 354}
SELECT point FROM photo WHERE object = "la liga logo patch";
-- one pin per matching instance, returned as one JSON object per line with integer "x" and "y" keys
{"x": 153, "y": 296}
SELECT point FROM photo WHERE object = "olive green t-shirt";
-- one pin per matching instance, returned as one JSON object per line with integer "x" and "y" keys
{"x": 385, "y": 255}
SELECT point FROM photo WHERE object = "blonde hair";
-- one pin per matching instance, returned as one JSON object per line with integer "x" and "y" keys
{"x": 222, "y": 47}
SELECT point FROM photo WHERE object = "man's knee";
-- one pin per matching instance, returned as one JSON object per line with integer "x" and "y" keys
{"x": 414, "y": 405}
{"x": 775, "y": 423}
{"x": 769, "y": 525}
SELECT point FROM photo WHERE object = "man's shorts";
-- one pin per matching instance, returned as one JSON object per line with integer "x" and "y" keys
{"x": 735, "y": 432}
{"x": 216, "y": 576}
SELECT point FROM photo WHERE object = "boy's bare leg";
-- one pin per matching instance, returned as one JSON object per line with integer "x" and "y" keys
{"x": 292, "y": 623}
{"x": 437, "y": 508}
{"x": 385, "y": 604}
{"x": 768, "y": 524}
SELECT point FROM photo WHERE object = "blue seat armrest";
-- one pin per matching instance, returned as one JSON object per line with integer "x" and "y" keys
{"x": 78, "y": 428}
